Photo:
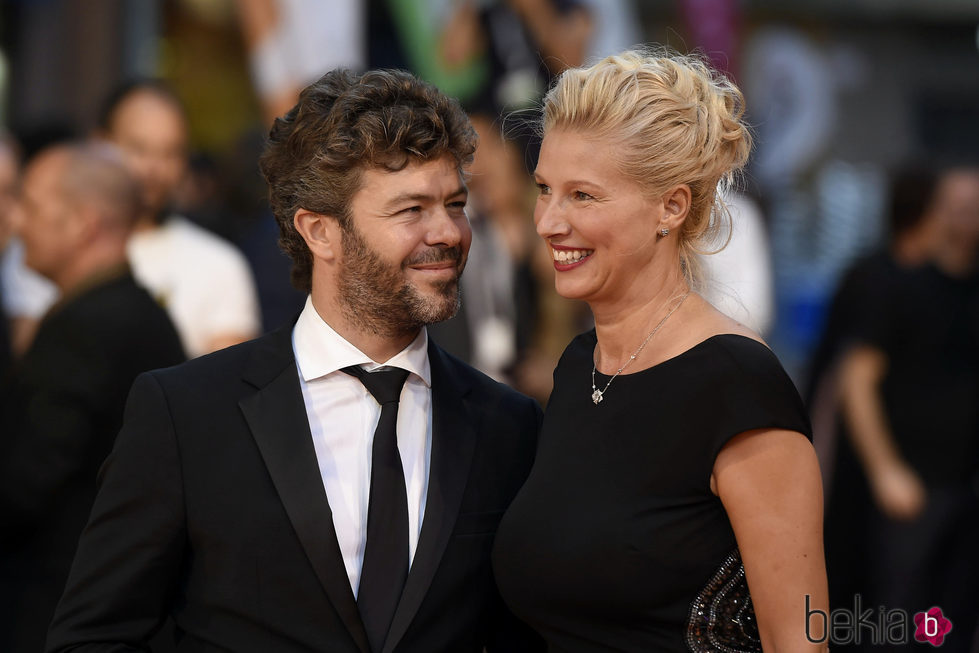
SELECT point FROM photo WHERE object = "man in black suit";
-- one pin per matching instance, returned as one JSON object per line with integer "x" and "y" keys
{"x": 250, "y": 493}
{"x": 62, "y": 406}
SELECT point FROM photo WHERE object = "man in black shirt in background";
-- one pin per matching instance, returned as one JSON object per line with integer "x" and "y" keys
{"x": 64, "y": 402}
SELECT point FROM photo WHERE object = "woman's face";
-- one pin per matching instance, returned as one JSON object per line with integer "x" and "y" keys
{"x": 600, "y": 228}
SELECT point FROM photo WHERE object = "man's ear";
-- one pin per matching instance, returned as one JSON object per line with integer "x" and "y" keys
{"x": 321, "y": 233}
{"x": 84, "y": 222}
{"x": 676, "y": 206}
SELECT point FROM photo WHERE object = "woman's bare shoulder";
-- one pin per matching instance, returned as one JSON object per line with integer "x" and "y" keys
{"x": 711, "y": 322}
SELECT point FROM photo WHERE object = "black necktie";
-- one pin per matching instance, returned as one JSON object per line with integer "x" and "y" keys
{"x": 385, "y": 569}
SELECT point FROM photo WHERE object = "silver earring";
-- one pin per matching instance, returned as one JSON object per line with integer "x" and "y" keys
{"x": 665, "y": 231}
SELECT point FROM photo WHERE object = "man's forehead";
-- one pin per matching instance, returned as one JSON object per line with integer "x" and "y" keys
{"x": 418, "y": 176}
{"x": 146, "y": 104}
{"x": 410, "y": 163}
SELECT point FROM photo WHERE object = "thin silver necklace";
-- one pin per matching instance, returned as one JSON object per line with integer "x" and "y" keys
{"x": 596, "y": 394}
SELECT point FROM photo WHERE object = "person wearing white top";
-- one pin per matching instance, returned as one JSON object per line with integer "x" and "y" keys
{"x": 739, "y": 280}
{"x": 203, "y": 281}
{"x": 26, "y": 295}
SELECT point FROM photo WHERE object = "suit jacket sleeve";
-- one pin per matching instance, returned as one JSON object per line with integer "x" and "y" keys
{"x": 130, "y": 553}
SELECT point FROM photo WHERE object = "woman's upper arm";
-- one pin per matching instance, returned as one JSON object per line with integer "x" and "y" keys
{"x": 769, "y": 483}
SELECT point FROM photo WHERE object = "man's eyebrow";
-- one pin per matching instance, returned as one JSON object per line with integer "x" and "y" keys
{"x": 424, "y": 197}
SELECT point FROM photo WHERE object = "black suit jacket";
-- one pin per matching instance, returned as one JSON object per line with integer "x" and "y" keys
{"x": 61, "y": 411}
{"x": 212, "y": 508}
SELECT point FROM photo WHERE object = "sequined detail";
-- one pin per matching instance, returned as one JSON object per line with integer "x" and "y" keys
{"x": 722, "y": 619}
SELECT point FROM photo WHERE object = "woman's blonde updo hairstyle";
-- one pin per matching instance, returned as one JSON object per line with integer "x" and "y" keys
{"x": 673, "y": 120}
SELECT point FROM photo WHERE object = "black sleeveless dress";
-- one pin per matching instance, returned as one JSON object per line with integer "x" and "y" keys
{"x": 615, "y": 542}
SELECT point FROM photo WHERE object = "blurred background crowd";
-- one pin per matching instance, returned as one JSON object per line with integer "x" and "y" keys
{"x": 852, "y": 249}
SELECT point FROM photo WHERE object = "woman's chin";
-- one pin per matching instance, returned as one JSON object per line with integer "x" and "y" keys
{"x": 572, "y": 291}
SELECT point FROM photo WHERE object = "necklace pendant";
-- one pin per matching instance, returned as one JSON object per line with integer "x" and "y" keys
{"x": 597, "y": 397}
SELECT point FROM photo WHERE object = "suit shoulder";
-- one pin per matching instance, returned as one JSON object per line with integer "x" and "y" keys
{"x": 484, "y": 389}
{"x": 273, "y": 350}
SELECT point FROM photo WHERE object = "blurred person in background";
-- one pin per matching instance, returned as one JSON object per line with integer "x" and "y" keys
{"x": 291, "y": 43}
{"x": 63, "y": 403}
{"x": 513, "y": 286}
{"x": 486, "y": 53}
{"x": 9, "y": 186}
{"x": 24, "y": 294}
{"x": 490, "y": 329}
{"x": 203, "y": 281}
{"x": 508, "y": 325}
{"x": 9, "y": 175}
{"x": 911, "y": 244}
{"x": 908, "y": 388}
{"x": 616, "y": 26}
{"x": 561, "y": 30}
{"x": 738, "y": 277}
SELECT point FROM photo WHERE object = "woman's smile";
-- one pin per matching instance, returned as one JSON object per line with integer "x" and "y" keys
{"x": 567, "y": 258}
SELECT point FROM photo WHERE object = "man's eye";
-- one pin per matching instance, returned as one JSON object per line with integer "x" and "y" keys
{"x": 579, "y": 195}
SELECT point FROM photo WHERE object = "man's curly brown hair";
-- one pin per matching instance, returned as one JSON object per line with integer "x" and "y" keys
{"x": 343, "y": 124}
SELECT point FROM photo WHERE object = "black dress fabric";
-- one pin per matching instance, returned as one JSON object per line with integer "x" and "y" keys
{"x": 615, "y": 542}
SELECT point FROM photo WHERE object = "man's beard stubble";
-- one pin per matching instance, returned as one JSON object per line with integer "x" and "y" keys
{"x": 377, "y": 298}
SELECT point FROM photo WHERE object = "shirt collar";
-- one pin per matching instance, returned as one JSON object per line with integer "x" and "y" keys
{"x": 320, "y": 350}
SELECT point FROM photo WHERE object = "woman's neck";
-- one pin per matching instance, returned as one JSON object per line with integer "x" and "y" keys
{"x": 623, "y": 326}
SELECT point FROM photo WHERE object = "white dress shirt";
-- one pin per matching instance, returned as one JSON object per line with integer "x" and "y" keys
{"x": 342, "y": 417}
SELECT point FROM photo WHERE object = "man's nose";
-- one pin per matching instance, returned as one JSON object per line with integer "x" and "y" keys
{"x": 446, "y": 229}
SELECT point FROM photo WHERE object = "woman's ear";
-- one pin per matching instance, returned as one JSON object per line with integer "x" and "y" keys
{"x": 676, "y": 206}
{"x": 321, "y": 233}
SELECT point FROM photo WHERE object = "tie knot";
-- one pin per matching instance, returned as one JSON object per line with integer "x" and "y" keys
{"x": 385, "y": 385}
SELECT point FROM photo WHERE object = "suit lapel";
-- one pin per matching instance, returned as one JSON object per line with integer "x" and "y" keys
{"x": 276, "y": 415}
{"x": 453, "y": 443}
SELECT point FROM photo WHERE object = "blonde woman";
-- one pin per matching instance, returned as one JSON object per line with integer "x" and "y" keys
{"x": 675, "y": 501}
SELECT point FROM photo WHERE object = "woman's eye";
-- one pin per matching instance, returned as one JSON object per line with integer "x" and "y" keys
{"x": 579, "y": 195}
{"x": 544, "y": 189}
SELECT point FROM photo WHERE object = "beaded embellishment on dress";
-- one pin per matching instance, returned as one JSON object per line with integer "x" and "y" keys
{"x": 722, "y": 619}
